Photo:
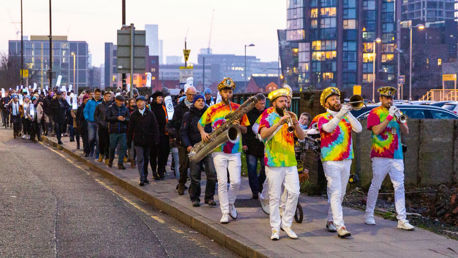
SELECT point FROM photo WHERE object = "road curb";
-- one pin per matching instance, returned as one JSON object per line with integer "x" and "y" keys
{"x": 212, "y": 229}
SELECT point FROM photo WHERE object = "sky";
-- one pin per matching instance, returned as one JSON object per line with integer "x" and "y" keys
{"x": 236, "y": 23}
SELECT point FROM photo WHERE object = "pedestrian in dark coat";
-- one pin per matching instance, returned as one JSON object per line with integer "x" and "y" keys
{"x": 144, "y": 133}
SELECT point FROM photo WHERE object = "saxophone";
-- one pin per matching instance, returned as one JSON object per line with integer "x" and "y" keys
{"x": 226, "y": 132}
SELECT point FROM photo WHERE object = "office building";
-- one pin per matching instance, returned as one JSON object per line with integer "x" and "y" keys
{"x": 153, "y": 42}
{"x": 65, "y": 54}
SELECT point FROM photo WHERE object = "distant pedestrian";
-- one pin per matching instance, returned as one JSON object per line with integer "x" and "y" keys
{"x": 118, "y": 118}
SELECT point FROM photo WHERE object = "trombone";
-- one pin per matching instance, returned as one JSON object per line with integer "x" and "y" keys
{"x": 356, "y": 102}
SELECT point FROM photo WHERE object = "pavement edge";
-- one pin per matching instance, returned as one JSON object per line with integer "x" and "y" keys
{"x": 211, "y": 229}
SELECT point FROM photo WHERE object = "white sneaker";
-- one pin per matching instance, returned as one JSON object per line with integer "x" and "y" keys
{"x": 224, "y": 219}
{"x": 405, "y": 225}
{"x": 369, "y": 220}
{"x": 23, "y": 137}
{"x": 232, "y": 211}
{"x": 275, "y": 235}
{"x": 264, "y": 205}
{"x": 331, "y": 227}
{"x": 342, "y": 232}
{"x": 289, "y": 232}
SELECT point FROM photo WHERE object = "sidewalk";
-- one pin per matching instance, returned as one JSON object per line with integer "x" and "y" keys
{"x": 249, "y": 235}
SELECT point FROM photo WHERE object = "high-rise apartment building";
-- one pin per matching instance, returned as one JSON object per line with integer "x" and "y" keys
{"x": 331, "y": 43}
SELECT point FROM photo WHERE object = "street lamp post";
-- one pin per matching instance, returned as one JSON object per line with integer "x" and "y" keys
{"x": 374, "y": 55}
{"x": 74, "y": 72}
{"x": 244, "y": 70}
{"x": 420, "y": 27}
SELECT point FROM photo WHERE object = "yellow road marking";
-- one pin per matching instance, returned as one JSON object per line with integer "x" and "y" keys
{"x": 156, "y": 218}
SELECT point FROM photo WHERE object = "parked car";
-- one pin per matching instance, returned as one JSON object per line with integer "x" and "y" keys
{"x": 412, "y": 111}
{"x": 452, "y": 106}
{"x": 439, "y": 103}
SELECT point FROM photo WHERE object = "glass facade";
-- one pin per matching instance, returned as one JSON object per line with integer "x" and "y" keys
{"x": 36, "y": 59}
{"x": 337, "y": 40}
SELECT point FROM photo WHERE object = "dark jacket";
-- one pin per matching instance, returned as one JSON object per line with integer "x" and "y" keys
{"x": 189, "y": 133}
{"x": 59, "y": 107}
{"x": 161, "y": 117}
{"x": 255, "y": 147}
{"x": 4, "y": 103}
{"x": 143, "y": 129}
{"x": 175, "y": 123}
{"x": 100, "y": 113}
{"x": 80, "y": 121}
{"x": 47, "y": 108}
{"x": 116, "y": 126}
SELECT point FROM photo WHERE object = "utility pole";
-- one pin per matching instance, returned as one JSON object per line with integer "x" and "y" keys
{"x": 203, "y": 74}
{"x": 132, "y": 35}
{"x": 50, "y": 47}
{"x": 123, "y": 76}
{"x": 22, "y": 49}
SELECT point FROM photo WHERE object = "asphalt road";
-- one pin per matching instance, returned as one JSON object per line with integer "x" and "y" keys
{"x": 52, "y": 206}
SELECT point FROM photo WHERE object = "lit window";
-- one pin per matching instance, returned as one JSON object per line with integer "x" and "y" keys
{"x": 314, "y": 13}
{"x": 328, "y": 76}
{"x": 367, "y": 47}
{"x": 314, "y": 23}
{"x": 316, "y": 45}
{"x": 367, "y": 77}
{"x": 368, "y": 57}
{"x": 329, "y": 11}
{"x": 387, "y": 58}
{"x": 349, "y": 24}
{"x": 439, "y": 61}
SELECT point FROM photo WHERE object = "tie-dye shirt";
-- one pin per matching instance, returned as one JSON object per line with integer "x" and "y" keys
{"x": 215, "y": 115}
{"x": 388, "y": 143}
{"x": 337, "y": 145}
{"x": 279, "y": 150}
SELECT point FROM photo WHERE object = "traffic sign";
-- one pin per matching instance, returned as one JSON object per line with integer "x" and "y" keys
{"x": 24, "y": 73}
{"x": 449, "y": 77}
{"x": 186, "y": 53}
{"x": 401, "y": 79}
{"x": 357, "y": 90}
{"x": 124, "y": 50}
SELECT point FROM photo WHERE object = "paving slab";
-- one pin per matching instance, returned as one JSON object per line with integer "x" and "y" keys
{"x": 249, "y": 235}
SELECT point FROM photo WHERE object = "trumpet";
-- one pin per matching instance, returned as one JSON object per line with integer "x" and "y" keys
{"x": 356, "y": 102}
{"x": 400, "y": 116}
{"x": 289, "y": 121}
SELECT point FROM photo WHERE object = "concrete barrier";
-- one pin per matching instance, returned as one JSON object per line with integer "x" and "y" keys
{"x": 431, "y": 157}
{"x": 436, "y": 151}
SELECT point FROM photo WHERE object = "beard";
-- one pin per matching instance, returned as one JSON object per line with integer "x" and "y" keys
{"x": 225, "y": 100}
{"x": 279, "y": 111}
{"x": 335, "y": 107}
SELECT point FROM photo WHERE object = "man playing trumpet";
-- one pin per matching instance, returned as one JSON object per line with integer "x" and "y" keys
{"x": 335, "y": 128}
{"x": 277, "y": 128}
{"x": 386, "y": 123}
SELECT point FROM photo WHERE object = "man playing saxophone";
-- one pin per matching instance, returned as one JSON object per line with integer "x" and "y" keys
{"x": 280, "y": 160}
{"x": 386, "y": 123}
{"x": 226, "y": 157}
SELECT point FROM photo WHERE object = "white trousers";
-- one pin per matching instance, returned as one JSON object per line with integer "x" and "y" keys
{"x": 224, "y": 163}
{"x": 337, "y": 174}
{"x": 289, "y": 178}
{"x": 380, "y": 168}
{"x": 265, "y": 194}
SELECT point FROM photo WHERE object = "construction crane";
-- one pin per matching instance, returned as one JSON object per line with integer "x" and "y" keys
{"x": 211, "y": 31}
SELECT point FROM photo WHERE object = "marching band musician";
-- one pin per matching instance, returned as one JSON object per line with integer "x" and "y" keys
{"x": 226, "y": 157}
{"x": 387, "y": 156}
{"x": 280, "y": 160}
{"x": 336, "y": 154}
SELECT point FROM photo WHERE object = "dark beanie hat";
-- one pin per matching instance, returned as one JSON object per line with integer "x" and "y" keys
{"x": 198, "y": 96}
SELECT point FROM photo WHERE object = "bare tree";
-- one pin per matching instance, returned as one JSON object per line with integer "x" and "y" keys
{"x": 9, "y": 71}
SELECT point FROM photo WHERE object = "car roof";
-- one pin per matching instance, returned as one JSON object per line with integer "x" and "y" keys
{"x": 410, "y": 106}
